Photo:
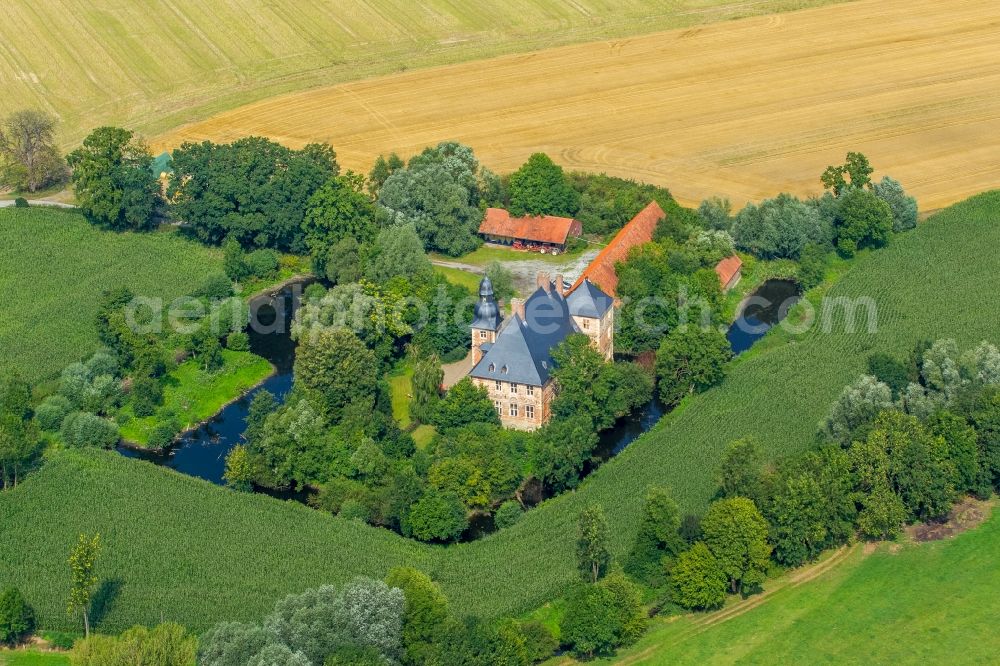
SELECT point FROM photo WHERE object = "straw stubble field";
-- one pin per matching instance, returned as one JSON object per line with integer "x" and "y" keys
{"x": 742, "y": 108}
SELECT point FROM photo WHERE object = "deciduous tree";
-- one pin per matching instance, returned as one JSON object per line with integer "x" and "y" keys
{"x": 539, "y": 187}
{"x": 83, "y": 581}
{"x": 736, "y": 533}
{"x": 114, "y": 184}
{"x": 697, "y": 581}
{"x": 593, "y": 544}
{"x": 29, "y": 159}
{"x": 690, "y": 359}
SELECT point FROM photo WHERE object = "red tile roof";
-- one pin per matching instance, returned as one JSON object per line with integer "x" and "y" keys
{"x": 727, "y": 269}
{"x": 537, "y": 228}
{"x": 639, "y": 230}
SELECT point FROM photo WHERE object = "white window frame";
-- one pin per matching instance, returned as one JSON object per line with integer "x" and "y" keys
{"x": 529, "y": 411}
{"x": 499, "y": 385}
{"x": 513, "y": 388}
{"x": 531, "y": 390}
{"x": 499, "y": 407}
{"x": 513, "y": 409}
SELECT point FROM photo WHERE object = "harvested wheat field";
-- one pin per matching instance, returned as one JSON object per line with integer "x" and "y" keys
{"x": 744, "y": 108}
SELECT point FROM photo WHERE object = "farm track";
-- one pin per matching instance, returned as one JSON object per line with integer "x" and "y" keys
{"x": 744, "y": 108}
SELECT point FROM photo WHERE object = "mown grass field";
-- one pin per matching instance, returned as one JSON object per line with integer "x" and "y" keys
{"x": 184, "y": 550}
{"x": 53, "y": 268}
{"x": 743, "y": 109}
{"x": 32, "y": 658}
{"x": 193, "y": 395}
{"x": 155, "y": 66}
{"x": 931, "y": 603}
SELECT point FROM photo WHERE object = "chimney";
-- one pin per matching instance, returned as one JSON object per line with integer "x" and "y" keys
{"x": 517, "y": 307}
{"x": 542, "y": 280}
{"x": 560, "y": 289}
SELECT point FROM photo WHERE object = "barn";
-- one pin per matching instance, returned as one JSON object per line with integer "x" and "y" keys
{"x": 545, "y": 233}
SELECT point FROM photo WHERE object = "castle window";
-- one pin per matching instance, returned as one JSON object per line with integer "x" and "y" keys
{"x": 513, "y": 409}
{"x": 499, "y": 384}
{"x": 499, "y": 407}
{"x": 531, "y": 390}
{"x": 586, "y": 323}
{"x": 529, "y": 411}
{"x": 513, "y": 387}
{"x": 493, "y": 366}
{"x": 482, "y": 335}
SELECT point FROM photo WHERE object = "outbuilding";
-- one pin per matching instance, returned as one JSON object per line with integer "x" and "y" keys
{"x": 543, "y": 233}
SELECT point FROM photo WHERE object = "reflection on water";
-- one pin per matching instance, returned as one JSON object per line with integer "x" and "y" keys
{"x": 202, "y": 452}
{"x": 761, "y": 311}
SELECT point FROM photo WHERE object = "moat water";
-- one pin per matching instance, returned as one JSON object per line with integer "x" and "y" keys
{"x": 202, "y": 452}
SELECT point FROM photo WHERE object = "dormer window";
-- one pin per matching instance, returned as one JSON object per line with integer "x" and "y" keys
{"x": 493, "y": 367}
{"x": 503, "y": 370}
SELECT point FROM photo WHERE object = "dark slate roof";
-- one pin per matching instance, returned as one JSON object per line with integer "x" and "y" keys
{"x": 487, "y": 313}
{"x": 588, "y": 300}
{"x": 522, "y": 351}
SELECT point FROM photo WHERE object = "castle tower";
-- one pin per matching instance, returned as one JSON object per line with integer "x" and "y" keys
{"x": 487, "y": 320}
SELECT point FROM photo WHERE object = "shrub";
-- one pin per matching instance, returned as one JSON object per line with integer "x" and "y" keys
{"x": 352, "y": 509}
{"x": 314, "y": 292}
{"x": 508, "y": 514}
{"x": 232, "y": 644}
{"x": 162, "y": 435}
{"x": 103, "y": 362}
{"x": 165, "y": 645}
{"x": 20, "y": 202}
{"x": 437, "y": 516}
{"x": 697, "y": 580}
{"x": 81, "y": 429}
{"x": 52, "y": 411}
{"x": 812, "y": 265}
{"x": 263, "y": 263}
{"x": 238, "y": 341}
{"x": 539, "y": 641}
{"x": 147, "y": 393}
{"x": 215, "y": 287}
{"x": 602, "y": 617}
{"x": 17, "y": 620}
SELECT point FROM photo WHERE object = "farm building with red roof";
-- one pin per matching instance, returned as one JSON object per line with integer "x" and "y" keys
{"x": 729, "y": 270}
{"x": 638, "y": 231}
{"x": 542, "y": 231}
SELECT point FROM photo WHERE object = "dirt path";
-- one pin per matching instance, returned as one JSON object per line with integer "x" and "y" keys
{"x": 526, "y": 270}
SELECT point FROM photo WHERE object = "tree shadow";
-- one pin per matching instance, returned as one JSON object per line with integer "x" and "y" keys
{"x": 103, "y": 599}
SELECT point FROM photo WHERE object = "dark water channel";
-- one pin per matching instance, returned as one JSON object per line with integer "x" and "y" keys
{"x": 202, "y": 452}
{"x": 760, "y": 311}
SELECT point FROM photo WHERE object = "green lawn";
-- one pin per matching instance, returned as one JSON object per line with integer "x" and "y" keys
{"x": 195, "y": 395}
{"x": 459, "y": 277}
{"x": 931, "y": 603}
{"x": 32, "y": 658}
{"x": 484, "y": 254}
{"x": 401, "y": 393}
{"x": 185, "y": 550}
{"x": 53, "y": 267}
{"x": 422, "y": 435}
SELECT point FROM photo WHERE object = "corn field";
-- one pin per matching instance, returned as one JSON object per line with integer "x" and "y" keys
{"x": 180, "y": 549}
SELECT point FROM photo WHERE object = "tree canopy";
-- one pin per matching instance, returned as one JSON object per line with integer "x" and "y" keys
{"x": 539, "y": 187}
{"x": 29, "y": 159}
{"x": 439, "y": 193}
{"x": 114, "y": 184}
{"x": 253, "y": 189}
